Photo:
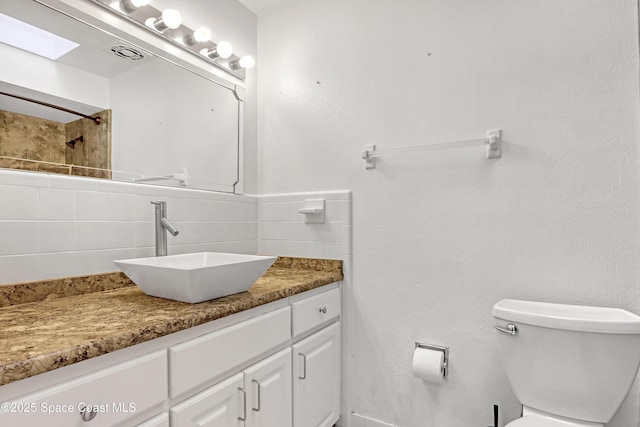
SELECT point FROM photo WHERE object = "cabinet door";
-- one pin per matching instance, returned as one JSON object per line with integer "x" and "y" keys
{"x": 268, "y": 385}
{"x": 219, "y": 406}
{"x": 316, "y": 379}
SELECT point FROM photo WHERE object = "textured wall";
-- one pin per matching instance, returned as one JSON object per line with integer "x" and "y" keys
{"x": 440, "y": 237}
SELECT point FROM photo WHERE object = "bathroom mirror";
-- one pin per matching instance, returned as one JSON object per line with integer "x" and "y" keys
{"x": 160, "y": 123}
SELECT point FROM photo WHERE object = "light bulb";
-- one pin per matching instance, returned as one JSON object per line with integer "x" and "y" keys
{"x": 202, "y": 34}
{"x": 140, "y": 3}
{"x": 225, "y": 50}
{"x": 222, "y": 50}
{"x": 246, "y": 62}
{"x": 171, "y": 18}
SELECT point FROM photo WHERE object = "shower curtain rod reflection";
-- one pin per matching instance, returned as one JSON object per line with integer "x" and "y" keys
{"x": 97, "y": 120}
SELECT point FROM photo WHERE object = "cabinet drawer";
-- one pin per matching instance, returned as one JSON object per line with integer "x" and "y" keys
{"x": 116, "y": 394}
{"x": 200, "y": 360}
{"x": 313, "y": 311}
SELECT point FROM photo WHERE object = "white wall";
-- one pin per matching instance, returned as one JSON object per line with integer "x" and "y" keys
{"x": 439, "y": 238}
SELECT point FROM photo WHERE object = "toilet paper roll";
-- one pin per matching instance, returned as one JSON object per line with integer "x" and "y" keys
{"x": 428, "y": 365}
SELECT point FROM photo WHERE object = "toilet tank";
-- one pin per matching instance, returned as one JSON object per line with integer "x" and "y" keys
{"x": 573, "y": 361}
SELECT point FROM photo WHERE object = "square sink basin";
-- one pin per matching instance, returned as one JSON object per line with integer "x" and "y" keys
{"x": 195, "y": 277}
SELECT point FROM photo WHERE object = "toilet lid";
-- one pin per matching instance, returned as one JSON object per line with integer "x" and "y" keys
{"x": 533, "y": 421}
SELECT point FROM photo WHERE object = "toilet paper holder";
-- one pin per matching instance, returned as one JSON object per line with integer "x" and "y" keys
{"x": 445, "y": 350}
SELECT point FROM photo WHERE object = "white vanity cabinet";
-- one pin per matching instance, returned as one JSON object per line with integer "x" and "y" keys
{"x": 298, "y": 386}
{"x": 276, "y": 365}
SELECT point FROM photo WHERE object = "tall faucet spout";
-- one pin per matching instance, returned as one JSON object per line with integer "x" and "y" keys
{"x": 169, "y": 227}
{"x": 162, "y": 226}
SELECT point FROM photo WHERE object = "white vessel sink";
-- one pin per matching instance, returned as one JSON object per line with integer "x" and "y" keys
{"x": 195, "y": 277}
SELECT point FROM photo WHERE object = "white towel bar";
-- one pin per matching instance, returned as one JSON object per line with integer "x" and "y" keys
{"x": 493, "y": 142}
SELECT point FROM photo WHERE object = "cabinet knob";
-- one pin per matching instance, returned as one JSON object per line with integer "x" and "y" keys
{"x": 88, "y": 415}
{"x": 323, "y": 310}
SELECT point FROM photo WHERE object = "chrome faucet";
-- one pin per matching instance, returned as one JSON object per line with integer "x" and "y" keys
{"x": 162, "y": 226}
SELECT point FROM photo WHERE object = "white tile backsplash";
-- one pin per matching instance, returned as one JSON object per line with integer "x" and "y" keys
{"x": 122, "y": 207}
{"x": 282, "y": 230}
{"x": 53, "y": 225}
{"x": 18, "y": 203}
{"x": 18, "y": 268}
{"x": 18, "y": 237}
{"x": 57, "y": 204}
{"x": 144, "y": 234}
{"x": 91, "y": 236}
{"x": 121, "y": 234}
{"x": 92, "y": 206}
{"x": 56, "y": 236}
{"x": 92, "y": 262}
{"x": 61, "y": 264}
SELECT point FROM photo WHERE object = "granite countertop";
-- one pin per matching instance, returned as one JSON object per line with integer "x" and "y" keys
{"x": 50, "y": 324}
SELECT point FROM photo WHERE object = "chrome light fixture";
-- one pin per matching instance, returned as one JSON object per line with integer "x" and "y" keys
{"x": 168, "y": 25}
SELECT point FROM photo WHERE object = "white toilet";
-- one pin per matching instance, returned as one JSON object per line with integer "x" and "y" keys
{"x": 570, "y": 366}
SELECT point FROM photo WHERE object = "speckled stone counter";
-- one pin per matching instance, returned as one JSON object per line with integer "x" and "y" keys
{"x": 48, "y": 325}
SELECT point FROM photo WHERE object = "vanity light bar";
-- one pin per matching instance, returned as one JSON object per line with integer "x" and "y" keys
{"x": 168, "y": 25}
